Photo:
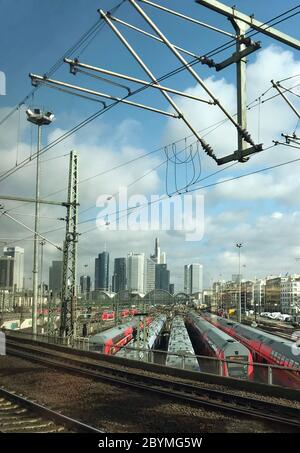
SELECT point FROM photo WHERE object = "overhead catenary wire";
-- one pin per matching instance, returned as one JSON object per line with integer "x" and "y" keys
{"x": 190, "y": 190}
{"x": 92, "y": 31}
{"x": 253, "y": 172}
{"x": 94, "y": 116}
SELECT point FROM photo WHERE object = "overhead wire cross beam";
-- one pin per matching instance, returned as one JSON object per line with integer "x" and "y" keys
{"x": 243, "y": 134}
{"x": 242, "y": 23}
{"x": 75, "y": 64}
{"x": 139, "y": 60}
{"x": 255, "y": 24}
{"x": 36, "y": 79}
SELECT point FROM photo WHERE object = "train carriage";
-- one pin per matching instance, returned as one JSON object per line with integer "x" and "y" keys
{"x": 266, "y": 348}
{"x": 216, "y": 343}
{"x": 180, "y": 349}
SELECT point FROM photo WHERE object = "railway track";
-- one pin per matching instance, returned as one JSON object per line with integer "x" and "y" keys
{"x": 212, "y": 399}
{"x": 20, "y": 415}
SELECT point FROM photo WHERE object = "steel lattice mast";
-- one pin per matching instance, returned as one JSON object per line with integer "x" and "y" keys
{"x": 69, "y": 284}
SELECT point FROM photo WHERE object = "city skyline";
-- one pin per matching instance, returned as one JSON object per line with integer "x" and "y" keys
{"x": 149, "y": 219}
{"x": 245, "y": 210}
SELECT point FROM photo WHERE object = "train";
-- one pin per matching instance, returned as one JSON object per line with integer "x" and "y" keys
{"x": 131, "y": 351}
{"x": 181, "y": 353}
{"x": 236, "y": 359}
{"x": 266, "y": 348}
{"x": 112, "y": 340}
{"x": 109, "y": 315}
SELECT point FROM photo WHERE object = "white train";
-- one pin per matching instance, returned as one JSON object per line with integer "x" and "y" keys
{"x": 131, "y": 351}
{"x": 181, "y": 353}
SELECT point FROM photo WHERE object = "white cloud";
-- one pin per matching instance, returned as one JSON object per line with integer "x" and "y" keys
{"x": 260, "y": 210}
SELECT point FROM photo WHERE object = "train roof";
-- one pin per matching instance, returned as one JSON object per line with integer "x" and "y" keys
{"x": 278, "y": 344}
{"x": 215, "y": 335}
{"x": 180, "y": 343}
{"x": 179, "y": 340}
{"x": 111, "y": 333}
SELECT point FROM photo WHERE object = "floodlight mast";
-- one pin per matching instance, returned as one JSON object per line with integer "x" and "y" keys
{"x": 39, "y": 118}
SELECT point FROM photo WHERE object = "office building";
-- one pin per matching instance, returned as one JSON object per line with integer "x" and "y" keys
{"x": 119, "y": 276}
{"x": 162, "y": 277}
{"x": 158, "y": 257}
{"x": 149, "y": 276}
{"x": 85, "y": 284}
{"x": 135, "y": 272}
{"x": 17, "y": 253}
{"x": 102, "y": 271}
{"x": 193, "y": 278}
{"x": 6, "y": 272}
{"x": 55, "y": 277}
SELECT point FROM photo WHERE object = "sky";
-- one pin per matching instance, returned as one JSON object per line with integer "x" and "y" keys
{"x": 261, "y": 210}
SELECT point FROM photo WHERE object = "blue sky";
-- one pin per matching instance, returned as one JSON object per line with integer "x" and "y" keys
{"x": 35, "y": 34}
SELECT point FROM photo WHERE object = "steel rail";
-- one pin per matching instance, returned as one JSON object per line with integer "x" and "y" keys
{"x": 210, "y": 398}
{"x": 43, "y": 412}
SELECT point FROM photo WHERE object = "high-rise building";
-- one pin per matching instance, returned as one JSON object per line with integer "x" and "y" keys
{"x": 149, "y": 275}
{"x": 290, "y": 294}
{"x": 85, "y": 284}
{"x": 193, "y": 278}
{"x": 102, "y": 271}
{"x": 119, "y": 276}
{"x": 259, "y": 291}
{"x": 158, "y": 257}
{"x": 6, "y": 272}
{"x": 135, "y": 272}
{"x": 55, "y": 277}
{"x": 162, "y": 277}
{"x": 172, "y": 289}
{"x": 17, "y": 253}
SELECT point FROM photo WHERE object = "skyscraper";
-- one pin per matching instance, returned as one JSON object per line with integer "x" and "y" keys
{"x": 193, "y": 278}
{"x": 119, "y": 276}
{"x": 149, "y": 280}
{"x": 55, "y": 277}
{"x": 6, "y": 272}
{"x": 17, "y": 253}
{"x": 102, "y": 271}
{"x": 85, "y": 284}
{"x": 135, "y": 272}
{"x": 162, "y": 277}
{"x": 158, "y": 257}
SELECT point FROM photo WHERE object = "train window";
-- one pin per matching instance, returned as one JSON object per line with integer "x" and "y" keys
{"x": 237, "y": 369}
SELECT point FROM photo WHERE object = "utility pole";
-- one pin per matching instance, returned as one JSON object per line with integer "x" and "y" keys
{"x": 69, "y": 286}
{"x": 40, "y": 119}
{"x": 239, "y": 245}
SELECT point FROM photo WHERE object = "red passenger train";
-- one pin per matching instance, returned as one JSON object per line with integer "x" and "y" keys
{"x": 109, "y": 315}
{"x": 112, "y": 340}
{"x": 236, "y": 359}
{"x": 266, "y": 348}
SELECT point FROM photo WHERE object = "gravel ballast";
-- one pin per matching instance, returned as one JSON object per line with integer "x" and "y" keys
{"x": 113, "y": 408}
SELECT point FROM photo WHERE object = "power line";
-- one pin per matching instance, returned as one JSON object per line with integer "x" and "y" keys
{"x": 88, "y": 36}
{"x": 189, "y": 191}
{"x": 253, "y": 172}
{"x": 174, "y": 72}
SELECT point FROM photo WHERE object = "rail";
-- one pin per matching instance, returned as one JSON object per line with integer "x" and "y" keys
{"x": 218, "y": 364}
{"x": 263, "y": 373}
